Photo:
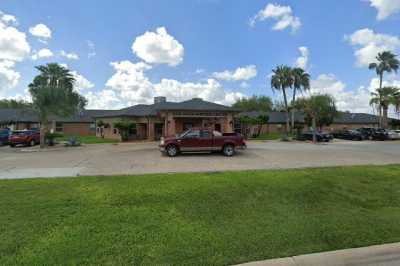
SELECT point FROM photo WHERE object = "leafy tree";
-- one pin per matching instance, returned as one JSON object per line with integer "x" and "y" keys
{"x": 386, "y": 62}
{"x": 301, "y": 82}
{"x": 254, "y": 103}
{"x": 53, "y": 93}
{"x": 383, "y": 98}
{"x": 282, "y": 80}
{"x": 319, "y": 111}
{"x": 124, "y": 127}
{"x": 15, "y": 104}
{"x": 259, "y": 121}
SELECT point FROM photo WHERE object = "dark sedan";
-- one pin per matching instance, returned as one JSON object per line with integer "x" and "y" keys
{"x": 348, "y": 135}
{"x": 321, "y": 137}
{"x": 381, "y": 134}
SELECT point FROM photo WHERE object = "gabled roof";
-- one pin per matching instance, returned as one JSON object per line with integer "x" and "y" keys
{"x": 361, "y": 118}
{"x": 274, "y": 117}
{"x": 195, "y": 104}
{"x": 26, "y": 115}
{"x": 343, "y": 117}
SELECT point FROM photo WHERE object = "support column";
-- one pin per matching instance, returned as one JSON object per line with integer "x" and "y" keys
{"x": 150, "y": 130}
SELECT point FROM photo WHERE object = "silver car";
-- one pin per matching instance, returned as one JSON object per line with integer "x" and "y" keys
{"x": 394, "y": 134}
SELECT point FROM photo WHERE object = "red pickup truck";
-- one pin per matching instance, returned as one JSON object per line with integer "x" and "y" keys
{"x": 202, "y": 140}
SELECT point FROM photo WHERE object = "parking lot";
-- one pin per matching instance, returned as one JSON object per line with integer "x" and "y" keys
{"x": 140, "y": 158}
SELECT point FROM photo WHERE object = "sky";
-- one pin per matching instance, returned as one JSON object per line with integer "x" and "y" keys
{"x": 127, "y": 52}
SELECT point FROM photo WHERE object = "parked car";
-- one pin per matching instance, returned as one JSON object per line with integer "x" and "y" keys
{"x": 380, "y": 134}
{"x": 321, "y": 136}
{"x": 4, "y": 136}
{"x": 349, "y": 135}
{"x": 394, "y": 134}
{"x": 24, "y": 137}
{"x": 202, "y": 140}
{"x": 367, "y": 132}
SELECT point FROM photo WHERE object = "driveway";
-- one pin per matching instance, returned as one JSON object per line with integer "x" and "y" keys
{"x": 140, "y": 158}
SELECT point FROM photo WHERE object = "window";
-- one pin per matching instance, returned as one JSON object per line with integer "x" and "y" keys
{"x": 133, "y": 131}
{"x": 193, "y": 134}
{"x": 205, "y": 134}
{"x": 59, "y": 127}
{"x": 187, "y": 126}
{"x": 115, "y": 131}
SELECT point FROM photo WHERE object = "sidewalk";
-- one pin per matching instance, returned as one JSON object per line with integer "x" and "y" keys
{"x": 382, "y": 255}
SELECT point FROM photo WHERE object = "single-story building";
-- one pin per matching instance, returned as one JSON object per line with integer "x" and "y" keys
{"x": 81, "y": 124}
{"x": 277, "y": 122}
{"x": 163, "y": 118}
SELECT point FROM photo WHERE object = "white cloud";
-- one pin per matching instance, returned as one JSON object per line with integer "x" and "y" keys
{"x": 41, "y": 31}
{"x": 158, "y": 48}
{"x": 105, "y": 99}
{"x": 42, "y": 53}
{"x": 8, "y": 19}
{"x": 130, "y": 85}
{"x": 8, "y": 76}
{"x": 81, "y": 83}
{"x": 211, "y": 90}
{"x": 355, "y": 101}
{"x": 130, "y": 82}
{"x": 200, "y": 71}
{"x": 92, "y": 49}
{"x": 385, "y": 8}
{"x": 368, "y": 44}
{"x": 13, "y": 43}
{"x": 71, "y": 56}
{"x": 282, "y": 14}
{"x": 303, "y": 59}
{"x": 241, "y": 73}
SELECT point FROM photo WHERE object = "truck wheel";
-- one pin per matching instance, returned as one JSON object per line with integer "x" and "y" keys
{"x": 172, "y": 150}
{"x": 228, "y": 150}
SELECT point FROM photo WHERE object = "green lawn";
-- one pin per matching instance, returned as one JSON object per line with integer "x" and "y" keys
{"x": 197, "y": 219}
{"x": 90, "y": 140}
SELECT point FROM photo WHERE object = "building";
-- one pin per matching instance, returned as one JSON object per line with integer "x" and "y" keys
{"x": 81, "y": 124}
{"x": 277, "y": 122}
{"x": 163, "y": 118}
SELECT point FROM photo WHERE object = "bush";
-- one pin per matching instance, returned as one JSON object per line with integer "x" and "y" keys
{"x": 50, "y": 137}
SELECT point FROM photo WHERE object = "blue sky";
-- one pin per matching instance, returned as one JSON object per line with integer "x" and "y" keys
{"x": 198, "y": 48}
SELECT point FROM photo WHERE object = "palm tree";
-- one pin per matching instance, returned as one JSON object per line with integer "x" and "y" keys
{"x": 301, "y": 82}
{"x": 387, "y": 62}
{"x": 319, "y": 110}
{"x": 282, "y": 80}
{"x": 383, "y": 99}
{"x": 53, "y": 94}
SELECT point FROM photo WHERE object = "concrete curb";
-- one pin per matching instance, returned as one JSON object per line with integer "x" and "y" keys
{"x": 381, "y": 255}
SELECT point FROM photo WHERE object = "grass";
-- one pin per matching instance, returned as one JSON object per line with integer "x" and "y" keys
{"x": 269, "y": 136}
{"x": 197, "y": 219}
{"x": 89, "y": 139}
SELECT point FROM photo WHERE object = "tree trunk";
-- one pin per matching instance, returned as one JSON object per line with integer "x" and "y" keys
{"x": 43, "y": 130}
{"x": 287, "y": 112}
{"x": 380, "y": 100}
{"x": 385, "y": 117}
{"x": 314, "y": 125}
{"x": 293, "y": 100}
